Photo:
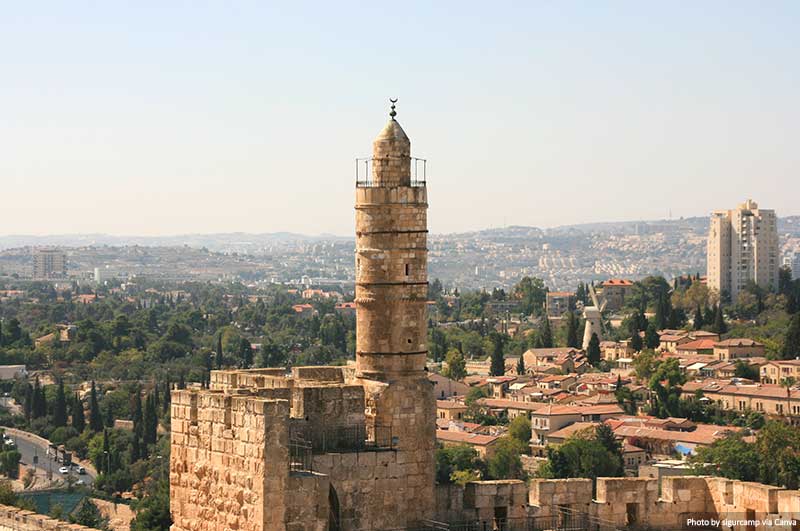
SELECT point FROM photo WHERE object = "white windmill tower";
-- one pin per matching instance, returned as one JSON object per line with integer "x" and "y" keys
{"x": 594, "y": 317}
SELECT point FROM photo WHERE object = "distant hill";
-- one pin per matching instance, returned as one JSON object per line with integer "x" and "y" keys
{"x": 789, "y": 224}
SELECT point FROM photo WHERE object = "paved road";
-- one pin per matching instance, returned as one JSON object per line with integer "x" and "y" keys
{"x": 31, "y": 449}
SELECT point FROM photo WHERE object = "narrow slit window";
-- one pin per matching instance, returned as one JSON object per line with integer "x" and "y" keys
{"x": 408, "y": 269}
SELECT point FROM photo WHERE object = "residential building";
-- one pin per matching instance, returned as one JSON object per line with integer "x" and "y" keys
{"x": 49, "y": 264}
{"x": 450, "y": 410}
{"x": 444, "y": 387}
{"x": 742, "y": 247}
{"x": 558, "y": 303}
{"x": 776, "y": 371}
{"x": 615, "y": 291}
{"x": 738, "y": 348}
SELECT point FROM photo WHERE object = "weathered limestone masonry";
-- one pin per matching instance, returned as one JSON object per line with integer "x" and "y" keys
{"x": 328, "y": 448}
{"x": 16, "y": 519}
{"x": 391, "y": 320}
{"x": 635, "y": 501}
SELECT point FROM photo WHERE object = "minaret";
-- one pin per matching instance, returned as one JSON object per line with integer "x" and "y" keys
{"x": 391, "y": 300}
{"x": 391, "y": 262}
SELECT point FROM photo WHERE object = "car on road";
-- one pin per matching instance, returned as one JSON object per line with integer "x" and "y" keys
{"x": 63, "y": 470}
{"x": 79, "y": 469}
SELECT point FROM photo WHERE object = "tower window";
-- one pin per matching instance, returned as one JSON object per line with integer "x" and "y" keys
{"x": 408, "y": 269}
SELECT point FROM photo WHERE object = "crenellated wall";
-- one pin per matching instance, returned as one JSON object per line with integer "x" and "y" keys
{"x": 635, "y": 501}
{"x": 16, "y": 519}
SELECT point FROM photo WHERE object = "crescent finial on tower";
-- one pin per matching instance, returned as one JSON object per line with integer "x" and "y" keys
{"x": 393, "y": 113}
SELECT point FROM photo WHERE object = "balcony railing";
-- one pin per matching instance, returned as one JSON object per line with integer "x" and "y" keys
{"x": 342, "y": 439}
{"x": 565, "y": 521}
{"x": 364, "y": 179}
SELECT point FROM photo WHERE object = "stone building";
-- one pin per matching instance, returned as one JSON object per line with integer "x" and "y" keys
{"x": 328, "y": 448}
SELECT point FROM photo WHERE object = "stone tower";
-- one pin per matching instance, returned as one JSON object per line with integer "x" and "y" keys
{"x": 391, "y": 302}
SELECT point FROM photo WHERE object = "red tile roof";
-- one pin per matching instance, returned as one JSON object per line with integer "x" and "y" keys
{"x": 617, "y": 282}
{"x": 465, "y": 437}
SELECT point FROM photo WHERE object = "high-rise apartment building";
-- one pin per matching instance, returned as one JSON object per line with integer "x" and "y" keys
{"x": 49, "y": 263}
{"x": 742, "y": 247}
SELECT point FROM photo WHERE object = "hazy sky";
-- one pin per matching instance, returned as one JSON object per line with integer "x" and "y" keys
{"x": 176, "y": 117}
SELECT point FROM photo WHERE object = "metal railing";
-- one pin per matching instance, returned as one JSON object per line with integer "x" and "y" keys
{"x": 564, "y": 521}
{"x": 343, "y": 439}
{"x": 418, "y": 172}
{"x": 301, "y": 458}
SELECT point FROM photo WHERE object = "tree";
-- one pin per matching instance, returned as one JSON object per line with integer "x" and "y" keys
{"x": 697, "y": 321}
{"x": 90, "y": 516}
{"x": 791, "y": 342}
{"x": 586, "y": 454}
{"x": 78, "y": 417}
{"x": 573, "y": 341}
{"x": 498, "y": 365}
{"x": 636, "y": 342}
{"x": 437, "y": 344}
{"x": 545, "y": 333}
{"x": 152, "y": 513}
{"x": 149, "y": 421}
{"x": 456, "y": 365}
{"x": 95, "y": 418}
{"x": 745, "y": 370}
{"x": 644, "y": 364}
{"x": 521, "y": 365}
{"x": 219, "y": 359}
{"x": 60, "y": 406}
{"x": 454, "y": 459}
{"x": 605, "y": 436}
{"x": 531, "y": 293}
{"x": 9, "y": 463}
{"x": 520, "y": 429}
{"x": 506, "y": 463}
{"x": 593, "y": 350}
{"x": 719, "y": 325}
{"x": 730, "y": 457}
{"x": 777, "y": 444}
{"x": 651, "y": 339}
{"x": 246, "y": 353}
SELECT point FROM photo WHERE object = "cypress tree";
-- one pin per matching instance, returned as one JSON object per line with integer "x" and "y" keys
{"x": 660, "y": 317}
{"x": 245, "y": 353}
{"x": 136, "y": 443}
{"x": 719, "y": 321}
{"x": 636, "y": 342}
{"x": 545, "y": 334}
{"x": 95, "y": 418}
{"x": 521, "y": 365}
{"x": 498, "y": 365}
{"x": 150, "y": 421}
{"x": 651, "y": 338}
{"x": 572, "y": 330}
{"x": 136, "y": 409}
{"x": 106, "y": 464}
{"x": 219, "y": 350}
{"x": 708, "y": 316}
{"x": 168, "y": 395}
{"x": 28, "y": 402}
{"x": 593, "y": 350}
{"x": 78, "y": 417}
{"x": 698, "y": 318}
{"x": 60, "y": 406}
{"x": 109, "y": 417}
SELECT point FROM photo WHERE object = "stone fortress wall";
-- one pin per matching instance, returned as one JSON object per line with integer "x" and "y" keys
{"x": 16, "y": 519}
{"x": 230, "y": 461}
{"x": 636, "y": 502}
